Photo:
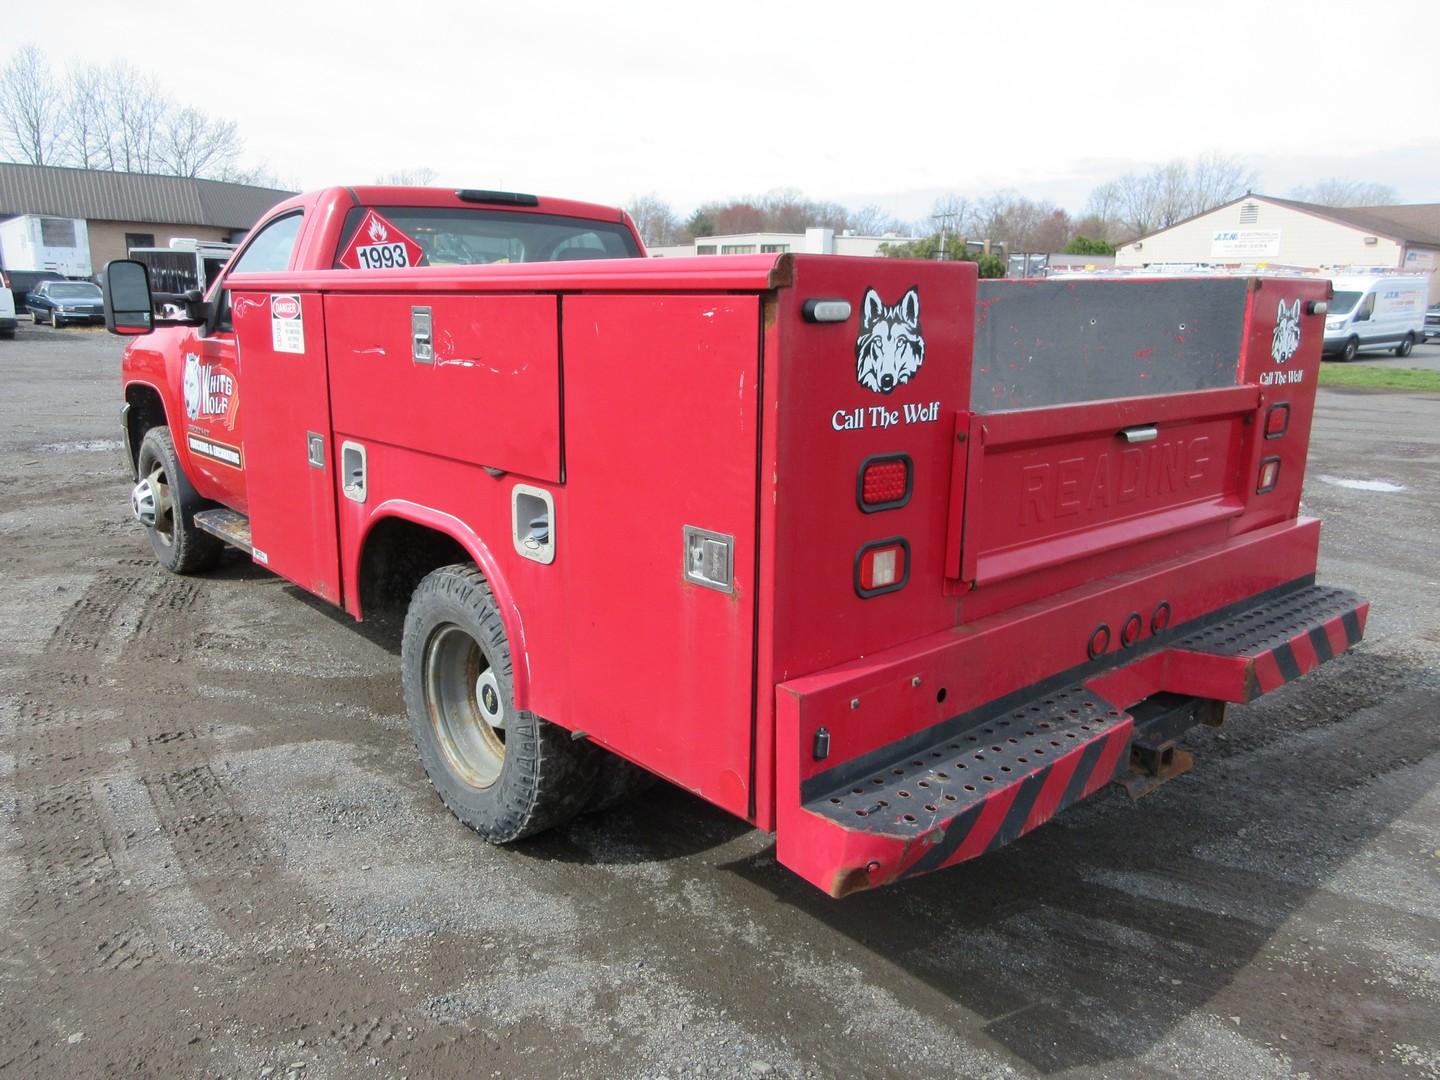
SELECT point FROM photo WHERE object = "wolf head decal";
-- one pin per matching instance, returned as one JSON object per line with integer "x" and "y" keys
{"x": 191, "y": 384}
{"x": 1285, "y": 342}
{"x": 890, "y": 349}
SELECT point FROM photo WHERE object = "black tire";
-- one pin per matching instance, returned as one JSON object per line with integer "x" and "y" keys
{"x": 617, "y": 781}
{"x": 522, "y": 775}
{"x": 7, "y": 335}
{"x": 179, "y": 546}
{"x": 1351, "y": 350}
{"x": 1405, "y": 347}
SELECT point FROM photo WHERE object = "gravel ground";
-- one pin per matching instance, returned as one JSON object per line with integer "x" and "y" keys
{"x": 219, "y": 857}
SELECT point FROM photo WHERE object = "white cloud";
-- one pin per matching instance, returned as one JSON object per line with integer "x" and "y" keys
{"x": 601, "y": 101}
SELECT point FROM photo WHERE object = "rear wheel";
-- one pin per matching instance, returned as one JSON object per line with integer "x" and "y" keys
{"x": 1351, "y": 350}
{"x": 165, "y": 503}
{"x": 504, "y": 772}
{"x": 1405, "y": 347}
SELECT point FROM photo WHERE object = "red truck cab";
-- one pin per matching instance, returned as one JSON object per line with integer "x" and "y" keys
{"x": 892, "y": 562}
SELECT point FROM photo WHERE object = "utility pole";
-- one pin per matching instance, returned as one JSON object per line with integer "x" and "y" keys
{"x": 944, "y": 220}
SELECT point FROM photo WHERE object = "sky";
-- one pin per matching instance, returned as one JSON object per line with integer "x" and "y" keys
{"x": 891, "y": 104}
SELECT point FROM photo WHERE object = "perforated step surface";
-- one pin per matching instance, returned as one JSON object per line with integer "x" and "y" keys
{"x": 1036, "y": 758}
{"x": 1271, "y": 625}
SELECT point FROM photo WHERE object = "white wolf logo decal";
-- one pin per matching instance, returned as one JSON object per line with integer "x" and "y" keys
{"x": 1285, "y": 342}
{"x": 890, "y": 349}
{"x": 191, "y": 383}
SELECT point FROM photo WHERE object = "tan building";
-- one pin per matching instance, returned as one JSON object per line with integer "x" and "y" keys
{"x": 1259, "y": 231}
{"x": 126, "y": 210}
{"x": 811, "y": 241}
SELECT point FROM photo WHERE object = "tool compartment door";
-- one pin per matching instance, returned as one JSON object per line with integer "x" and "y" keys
{"x": 661, "y": 433}
{"x": 289, "y": 459}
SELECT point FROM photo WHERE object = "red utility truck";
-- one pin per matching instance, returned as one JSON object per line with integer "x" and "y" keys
{"x": 892, "y": 567}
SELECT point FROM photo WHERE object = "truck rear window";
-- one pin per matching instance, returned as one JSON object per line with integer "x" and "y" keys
{"x": 461, "y": 237}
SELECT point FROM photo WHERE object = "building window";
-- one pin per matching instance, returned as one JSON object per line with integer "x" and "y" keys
{"x": 704, "y": 249}
{"x": 737, "y": 249}
{"x": 57, "y": 232}
{"x": 774, "y": 249}
{"x": 1249, "y": 213}
{"x": 139, "y": 240}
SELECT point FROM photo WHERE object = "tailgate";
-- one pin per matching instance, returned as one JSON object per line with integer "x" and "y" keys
{"x": 1114, "y": 423}
{"x": 1052, "y": 486}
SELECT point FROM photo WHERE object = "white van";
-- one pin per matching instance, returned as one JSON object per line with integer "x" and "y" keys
{"x": 7, "y": 313}
{"x": 1374, "y": 312}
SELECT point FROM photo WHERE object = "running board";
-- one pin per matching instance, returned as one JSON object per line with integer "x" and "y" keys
{"x": 228, "y": 525}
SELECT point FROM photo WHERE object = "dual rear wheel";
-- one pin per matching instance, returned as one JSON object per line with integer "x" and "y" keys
{"x": 503, "y": 771}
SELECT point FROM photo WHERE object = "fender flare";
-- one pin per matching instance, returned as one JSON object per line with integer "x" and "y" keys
{"x": 479, "y": 551}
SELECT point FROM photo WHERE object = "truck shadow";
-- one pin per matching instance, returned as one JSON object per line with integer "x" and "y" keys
{"x": 1092, "y": 938}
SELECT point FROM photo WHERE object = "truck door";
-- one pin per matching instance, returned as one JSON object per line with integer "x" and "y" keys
{"x": 289, "y": 459}
{"x": 210, "y": 376}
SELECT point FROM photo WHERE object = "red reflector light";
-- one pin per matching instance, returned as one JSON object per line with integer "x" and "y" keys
{"x": 1277, "y": 420}
{"x": 882, "y": 567}
{"x": 885, "y": 482}
{"x": 1269, "y": 475}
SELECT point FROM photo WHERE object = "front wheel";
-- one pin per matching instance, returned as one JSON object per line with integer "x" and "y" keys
{"x": 1351, "y": 350}
{"x": 1405, "y": 347}
{"x": 165, "y": 503}
{"x": 504, "y": 772}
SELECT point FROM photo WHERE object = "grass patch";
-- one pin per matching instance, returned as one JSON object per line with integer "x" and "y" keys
{"x": 1385, "y": 378}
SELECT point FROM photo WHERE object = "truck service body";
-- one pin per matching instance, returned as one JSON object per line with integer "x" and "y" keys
{"x": 891, "y": 562}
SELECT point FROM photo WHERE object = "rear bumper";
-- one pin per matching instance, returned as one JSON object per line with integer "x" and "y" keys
{"x": 977, "y": 780}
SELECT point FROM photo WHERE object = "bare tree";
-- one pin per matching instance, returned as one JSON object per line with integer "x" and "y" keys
{"x": 873, "y": 221}
{"x": 1337, "y": 192}
{"x": 420, "y": 176}
{"x": 655, "y": 219}
{"x": 86, "y": 132}
{"x": 195, "y": 144}
{"x": 31, "y": 112}
{"x": 134, "y": 108}
{"x": 1138, "y": 204}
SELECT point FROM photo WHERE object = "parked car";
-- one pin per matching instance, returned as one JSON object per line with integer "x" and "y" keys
{"x": 7, "y": 313}
{"x": 1432, "y": 322}
{"x": 20, "y": 282}
{"x": 61, "y": 302}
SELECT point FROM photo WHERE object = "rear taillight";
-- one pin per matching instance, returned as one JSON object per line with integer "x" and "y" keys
{"x": 882, "y": 566}
{"x": 885, "y": 482}
{"x": 1277, "y": 420}
{"x": 1269, "y": 475}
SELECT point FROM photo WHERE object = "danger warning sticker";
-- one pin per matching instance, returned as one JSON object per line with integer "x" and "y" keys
{"x": 287, "y": 324}
{"x": 379, "y": 245}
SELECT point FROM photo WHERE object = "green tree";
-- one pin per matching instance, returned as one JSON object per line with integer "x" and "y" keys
{"x": 1083, "y": 245}
{"x": 699, "y": 224}
{"x": 928, "y": 247}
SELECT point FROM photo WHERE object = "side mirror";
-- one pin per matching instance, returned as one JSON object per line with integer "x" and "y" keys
{"x": 129, "y": 310}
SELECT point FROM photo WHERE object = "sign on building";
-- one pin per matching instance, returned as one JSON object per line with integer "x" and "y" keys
{"x": 1244, "y": 243}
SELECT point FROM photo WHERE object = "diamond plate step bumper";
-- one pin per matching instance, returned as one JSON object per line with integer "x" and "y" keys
{"x": 1268, "y": 645}
{"x": 977, "y": 781}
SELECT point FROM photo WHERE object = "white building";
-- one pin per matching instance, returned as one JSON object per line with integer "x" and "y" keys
{"x": 810, "y": 242}
{"x": 1259, "y": 231}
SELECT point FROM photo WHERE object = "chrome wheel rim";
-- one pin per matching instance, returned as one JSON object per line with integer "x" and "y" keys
{"x": 467, "y": 709}
{"x": 164, "y": 508}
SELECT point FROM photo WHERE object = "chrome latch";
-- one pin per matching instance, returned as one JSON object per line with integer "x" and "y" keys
{"x": 708, "y": 559}
{"x": 1140, "y": 433}
{"x": 422, "y": 341}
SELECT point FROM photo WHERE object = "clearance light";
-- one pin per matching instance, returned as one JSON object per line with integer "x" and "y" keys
{"x": 884, "y": 483}
{"x": 882, "y": 567}
{"x": 1277, "y": 420}
{"x": 1269, "y": 475}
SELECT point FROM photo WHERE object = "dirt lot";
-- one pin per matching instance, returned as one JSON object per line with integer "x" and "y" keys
{"x": 218, "y": 855}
